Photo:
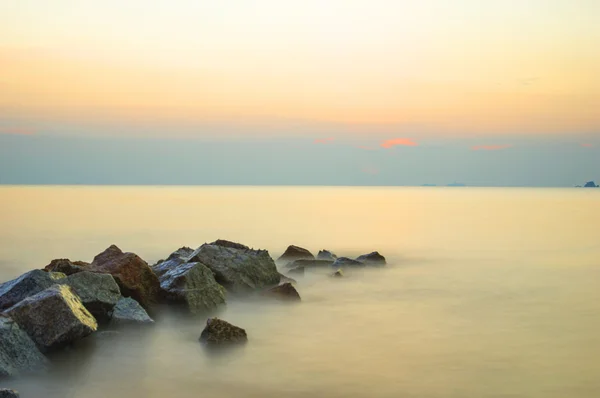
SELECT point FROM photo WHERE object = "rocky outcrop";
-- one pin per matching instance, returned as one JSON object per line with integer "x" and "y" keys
{"x": 26, "y": 285}
{"x": 18, "y": 353}
{"x": 342, "y": 262}
{"x": 326, "y": 255}
{"x": 66, "y": 266}
{"x": 6, "y": 393}
{"x": 128, "y": 310}
{"x": 238, "y": 270}
{"x": 193, "y": 284}
{"x": 232, "y": 245}
{"x": 219, "y": 332}
{"x": 285, "y": 291}
{"x": 373, "y": 258}
{"x": 295, "y": 253}
{"x": 310, "y": 263}
{"x": 99, "y": 293}
{"x": 54, "y": 317}
{"x": 133, "y": 275}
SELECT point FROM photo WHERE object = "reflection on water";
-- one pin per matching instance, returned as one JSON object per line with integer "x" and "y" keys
{"x": 489, "y": 293}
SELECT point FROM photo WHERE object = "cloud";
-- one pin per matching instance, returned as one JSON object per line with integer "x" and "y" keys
{"x": 16, "y": 131}
{"x": 372, "y": 170}
{"x": 489, "y": 147}
{"x": 587, "y": 145}
{"x": 328, "y": 140}
{"x": 398, "y": 141}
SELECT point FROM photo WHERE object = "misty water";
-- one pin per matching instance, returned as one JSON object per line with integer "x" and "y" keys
{"x": 487, "y": 292}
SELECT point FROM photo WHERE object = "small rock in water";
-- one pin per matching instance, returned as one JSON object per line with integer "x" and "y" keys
{"x": 373, "y": 258}
{"x": 218, "y": 331}
{"x": 26, "y": 285}
{"x": 326, "y": 255}
{"x": 128, "y": 310}
{"x": 285, "y": 291}
{"x": 54, "y": 317}
{"x": 18, "y": 353}
{"x": 6, "y": 393}
{"x": 338, "y": 274}
{"x": 309, "y": 263}
{"x": 295, "y": 253}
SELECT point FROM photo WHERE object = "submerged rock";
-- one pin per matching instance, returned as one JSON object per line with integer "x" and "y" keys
{"x": 297, "y": 271}
{"x": 295, "y": 253}
{"x": 238, "y": 270}
{"x": 338, "y": 274}
{"x": 285, "y": 291}
{"x": 342, "y": 262}
{"x": 66, "y": 266}
{"x": 218, "y": 331}
{"x": 326, "y": 255}
{"x": 128, "y": 310}
{"x": 26, "y": 285}
{"x": 133, "y": 275}
{"x": 193, "y": 284}
{"x": 6, "y": 393}
{"x": 373, "y": 258}
{"x": 99, "y": 293}
{"x": 18, "y": 353}
{"x": 54, "y": 317}
{"x": 310, "y": 264}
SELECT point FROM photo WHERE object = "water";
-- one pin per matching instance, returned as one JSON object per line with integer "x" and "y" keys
{"x": 488, "y": 292}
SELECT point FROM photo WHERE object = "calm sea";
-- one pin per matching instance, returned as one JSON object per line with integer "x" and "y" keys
{"x": 488, "y": 292}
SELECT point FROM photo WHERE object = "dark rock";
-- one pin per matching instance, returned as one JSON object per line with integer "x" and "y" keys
{"x": 338, "y": 274}
{"x": 326, "y": 255}
{"x": 26, "y": 285}
{"x": 128, "y": 310}
{"x": 232, "y": 245}
{"x": 133, "y": 275}
{"x": 285, "y": 279}
{"x": 590, "y": 184}
{"x": 238, "y": 270}
{"x": 296, "y": 271}
{"x": 66, "y": 266}
{"x": 295, "y": 253}
{"x": 193, "y": 284}
{"x": 373, "y": 258}
{"x": 342, "y": 262}
{"x": 309, "y": 263}
{"x": 6, "y": 393}
{"x": 54, "y": 317}
{"x": 99, "y": 293}
{"x": 218, "y": 331}
{"x": 182, "y": 252}
{"x": 18, "y": 353}
{"x": 285, "y": 291}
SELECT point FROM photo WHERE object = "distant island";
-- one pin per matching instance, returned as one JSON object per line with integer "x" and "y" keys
{"x": 589, "y": 184}
{"x": 456, "y": 184}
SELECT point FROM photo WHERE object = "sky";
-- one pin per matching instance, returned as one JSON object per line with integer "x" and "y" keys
{"x": 336, "y": 92}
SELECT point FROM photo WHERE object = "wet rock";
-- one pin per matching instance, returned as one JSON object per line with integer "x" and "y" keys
{"x": 238, "y": 270}
{"x": 193, "y": 284}
{"x": 133, "y": 275}
{"x": 54, "y": 317}
{"x": 373, "y": 258}
{"x": 128, "y": 310}
{"x": 18, "y": 353}
{"x": 285, "y": 291}
{"x": 342, "y": 262}
{"x": 218, "y": 331}
{"x": 310, "y": 263}
{"x": 99, "y": 293}
{"x": 338, "y": 274}
{"x": 26, "y": 285}
{"x": 297, "y": 271}
{"x": 232, "y": 245}
{"x": 6, "y": 393}
{"x": 295, "y": 253}
{"x": 66, "y": 266}
{"x": 326, "y": 255}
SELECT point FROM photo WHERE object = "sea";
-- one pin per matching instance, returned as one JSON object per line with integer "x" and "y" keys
{"x": 488, "y": 292}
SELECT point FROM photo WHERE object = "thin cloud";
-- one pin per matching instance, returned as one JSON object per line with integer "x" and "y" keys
{"x": 328, "y": 140}
{"x": 587, "y": 145}
{"x": 16, "y": 131}
{"x": 398, "y": 141}
{"x": 489, "y": 147}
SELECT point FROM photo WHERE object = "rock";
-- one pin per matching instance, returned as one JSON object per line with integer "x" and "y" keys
{"x": 373, "y": 258}
{"x": 18, "y": 353}
{"x": 133, "y": 275}
{"x": 296, "y": 271}
{"x": 54, "y": 317}
{"x": 338, "y": 274}
{"x": 590, "y": 184}
{"x": 285, "y": 291}
{"x": 233, "y": 245}
{"x": 128, "y": 310}
{"x": 284, "y": 279}
{"x": 309, "y": 263}
{"x": 99, "y": 293}
{"x": 6, "y": 393}
{"x": 238, "y": 270}
{"x": 218, "y": 331}
{"x": 193, "y": 284}
{"x": 26, "y": 285}
{"x": 326, "y": 255}
{"x": 342, "y": 262}
{"x": 66, "y": 266}
{"x": 295, "y": 253}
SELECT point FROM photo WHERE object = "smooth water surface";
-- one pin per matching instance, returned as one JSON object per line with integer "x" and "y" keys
{"x": 488, "y": 292}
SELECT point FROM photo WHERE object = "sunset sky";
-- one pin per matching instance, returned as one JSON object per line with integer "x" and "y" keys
{"x": 446, "y": 85}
